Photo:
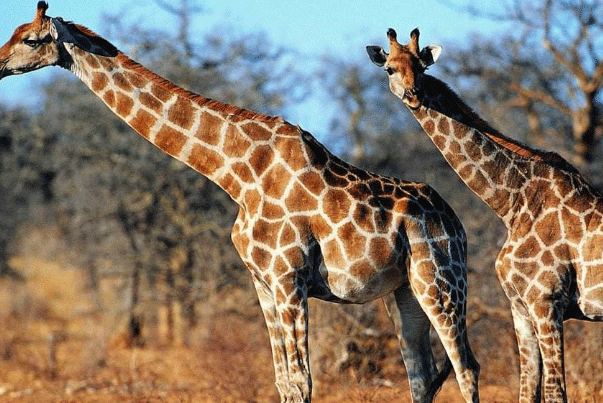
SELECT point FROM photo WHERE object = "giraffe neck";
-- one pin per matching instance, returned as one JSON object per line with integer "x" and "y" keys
{"x": 492, "y": 165}
{"x": 211, "y": 137}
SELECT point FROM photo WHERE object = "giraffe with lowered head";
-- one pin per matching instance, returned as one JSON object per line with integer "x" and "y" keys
{"x": 551, "y": 265}
{"x": 309, "y": 224}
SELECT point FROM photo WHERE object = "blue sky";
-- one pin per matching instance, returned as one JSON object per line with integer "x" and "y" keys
{"x": 340, "y": 28}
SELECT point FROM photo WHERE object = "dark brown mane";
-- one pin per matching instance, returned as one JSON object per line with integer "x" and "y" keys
{"x": 198, "y": 99}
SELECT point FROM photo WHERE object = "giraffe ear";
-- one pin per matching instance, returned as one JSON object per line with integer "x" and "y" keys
{"x": 67, "y": 32}
{"x": 61, "y": 31}
{"x": 377, "y": 55}
{"x": 429, "y": 55}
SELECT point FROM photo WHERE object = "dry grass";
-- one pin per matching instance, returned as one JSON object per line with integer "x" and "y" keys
{"x": 55, "y": 347}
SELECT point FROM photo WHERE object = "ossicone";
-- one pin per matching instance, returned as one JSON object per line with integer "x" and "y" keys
{"x": 42, "y": 7}
{"x": 40, "y": 12}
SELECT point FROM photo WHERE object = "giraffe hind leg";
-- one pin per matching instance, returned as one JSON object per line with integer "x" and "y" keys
{"x": 446, "y": 311}
{"x": 412, "y": 328}
{"x": 549, "y": 332}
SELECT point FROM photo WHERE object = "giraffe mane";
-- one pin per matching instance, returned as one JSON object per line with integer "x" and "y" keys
{"x": 467, "y": 116}
{"x": 198, "y": 99}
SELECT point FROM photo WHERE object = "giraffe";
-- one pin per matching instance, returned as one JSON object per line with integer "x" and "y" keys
{"x": 309, "y": 224}
{"x": 551, "y": 265}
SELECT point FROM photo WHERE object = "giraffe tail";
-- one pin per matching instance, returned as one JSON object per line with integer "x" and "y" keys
{"x": 437, "y": 383}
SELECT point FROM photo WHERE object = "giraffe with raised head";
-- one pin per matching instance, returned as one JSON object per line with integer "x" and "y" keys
{"x": 309, "y": 224}
{"x": 551, "y": 265}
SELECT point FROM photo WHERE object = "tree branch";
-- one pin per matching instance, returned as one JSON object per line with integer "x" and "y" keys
{"x": 547, "y": 99}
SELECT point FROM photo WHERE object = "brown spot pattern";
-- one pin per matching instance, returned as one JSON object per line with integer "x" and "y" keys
{"x": 379, "y": 250}
{"x": 572, "y": 225}
{"x": 209, "y": 129}
{"x": 256, "y": 132}
{"x": 272, "y": 211}
{"x": 300, "y": 200}
{"x": 320, "y": 227}
{"x": 288, "y": 130}
{"x": 143, "y": 122}
{"x": 294, "y": 256}
{"x": 150, "y": 102}
{"x": 169, "y": 140}
{"x": 99, "y": 82}
{"x": 287, "y": 236}
{"x": 362, "y": 269}
{"x": 291, "y": 151}
{"x": 592, "y": 247}
{"x": 429, "y": 127}
{"x": 313, "y": 182}
{"x": 362, "y": 216}
{"x": 264, "y": 231}
{"x": 181, "y": 113}
{"x": 122, "y": 82}
{"x": 261, "y": 158}
{"x": 136, "y": 79}
{"x": 444, "y": 127}
{"x": 332, "y": 255}
{"x": 336, "y": 205}
{"x": 527, "y": 249}
{"x": 548, "y": 229}
{"x": 204, "y": 160}
{"x": 109, "y": 98}
{"x": 353, "y": 242}
{"x": 242, "y": 171}
{"x": 124, "y": 105}
{"x": 235, "y": 144}
{"x": 230, "y": 185}
{"x": 261, "y": 258}
{"x": 252, "y": 201}
{"x": 92, "y": 62}
{"x": 275, "y": 181}
{"x": 161, "y": 93}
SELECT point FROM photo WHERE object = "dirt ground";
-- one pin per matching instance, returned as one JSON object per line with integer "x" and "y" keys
{"x": 55, "y": 347}
{"x": 232, "y": 371}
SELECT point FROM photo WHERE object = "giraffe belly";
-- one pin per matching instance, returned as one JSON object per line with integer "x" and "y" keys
{"x": 353, "y": 286}
{"x": 591, "y": 304}
{"x": 589, "y": 290}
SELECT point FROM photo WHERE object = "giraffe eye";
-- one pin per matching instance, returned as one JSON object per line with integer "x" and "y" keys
{"x": 389, "y": 70}
{"x": 32, "y": 43}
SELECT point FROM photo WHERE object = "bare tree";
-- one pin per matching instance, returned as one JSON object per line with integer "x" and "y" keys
{"x": 548, "y": 71}
{"x": 25, "y": 178}
{"x": 183, "y": 13}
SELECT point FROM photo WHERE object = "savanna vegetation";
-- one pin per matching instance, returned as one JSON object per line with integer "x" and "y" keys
{"x": 118, "y": 279}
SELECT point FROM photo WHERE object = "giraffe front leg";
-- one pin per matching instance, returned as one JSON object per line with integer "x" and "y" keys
{"x": 287, "y": 322}
{"x": 530, "y": 360}
{"x": 549, "y": 331}
{"x": 275, "y": 334}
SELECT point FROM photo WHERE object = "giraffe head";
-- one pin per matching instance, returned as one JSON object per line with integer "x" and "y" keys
{"x": 405, "y": 65}
{"x": 47, "y": 41}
